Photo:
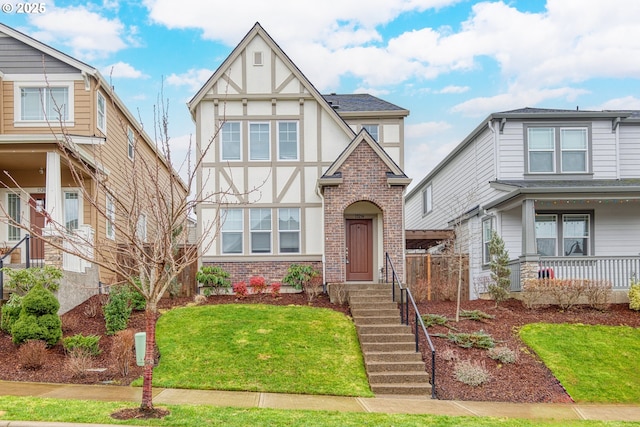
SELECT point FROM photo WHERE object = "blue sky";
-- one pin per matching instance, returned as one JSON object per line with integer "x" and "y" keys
{"x": 450, "y": 62}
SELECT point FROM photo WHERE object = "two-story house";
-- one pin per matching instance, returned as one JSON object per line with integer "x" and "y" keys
{"x": 50, "y": 101}
{"x": 297, "y": 177}
{"x": 561, "y": 187}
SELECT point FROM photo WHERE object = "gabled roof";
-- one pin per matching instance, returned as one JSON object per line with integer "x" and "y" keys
{"x": 258, "y": 31}
{"x": 395, "y": 176}
{"x": 362, "y": 103}
{"x": 88, "y": 70}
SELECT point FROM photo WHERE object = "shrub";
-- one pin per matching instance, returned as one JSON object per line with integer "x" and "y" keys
{"x": 634, "y": 294}
{"x": 477, "y": 315}
{"x": 24, "y": 279}
{"x": 471, "y": 373}
{"x": 503, "y": 354}
{"x": 258, "y": 285}
{"x": 137, "y": 300}
{"x": 468, "y": 340}
{"x": 298, "y": 275}
{"x": 448, "y": 354}
{"x": 500, "y": 272}
{"x": 122, "y": 351}
{"x": 117, "y": 310}
{"x": 78, "y": 363}
{"x": 38, "y": 318}
{"x": 240, "y": 289}
{"x": 214, "y": 279}
{"x": 434, "y": 320}
{"x": 275, "y": 289}
{"x": 82, "y": 343}
{"x": 94, "y": 305}
{"x": 534, "y": 291}
{"x": 313, "y": 288}
{"x": 339, "y": 290}
{"x": 32, "y": 354}
{"x": 10, "y": 312}
{"x": 199, "y": 299}
{"x": 598, "y": 293}
{"x": 566, "y": 292}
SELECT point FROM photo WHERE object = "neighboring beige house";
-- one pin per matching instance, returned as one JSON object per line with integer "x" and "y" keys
{"x": 561, "y": 187}
{"x": 47, "y": 96}
{"x": 299, "y": 177}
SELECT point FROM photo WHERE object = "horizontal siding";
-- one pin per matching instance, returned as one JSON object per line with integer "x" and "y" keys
{"x": 617, "y": 228}
{"x": 629, "y": 151}
{"x": 511, "y": 146}
{"x": 18, "y": 58}
{"x": 511, "y": 231}
{"x": 603, "y": 150}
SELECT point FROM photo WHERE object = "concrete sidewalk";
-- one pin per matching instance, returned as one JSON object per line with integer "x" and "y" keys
{"x": 381, "y": 404}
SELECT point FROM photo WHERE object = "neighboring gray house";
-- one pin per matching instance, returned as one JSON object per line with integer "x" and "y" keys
{"x": 561, "y": 187}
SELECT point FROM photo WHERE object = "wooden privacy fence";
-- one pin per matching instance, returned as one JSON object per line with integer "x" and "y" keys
{"x": 435, "y": 277}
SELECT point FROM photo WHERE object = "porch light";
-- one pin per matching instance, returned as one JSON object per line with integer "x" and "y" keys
{"x": 41, "y": 171}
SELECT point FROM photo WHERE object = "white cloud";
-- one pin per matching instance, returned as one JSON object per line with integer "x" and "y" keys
{"x": 453, "y": 89}
{"x": 123, "y": 70}
{"x": 88, "y": 34}
{"x": 624, "y": 103}
{"x": 193, "y": 79}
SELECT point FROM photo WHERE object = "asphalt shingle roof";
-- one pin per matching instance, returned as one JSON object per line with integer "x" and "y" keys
{"x": 360, "y": 102}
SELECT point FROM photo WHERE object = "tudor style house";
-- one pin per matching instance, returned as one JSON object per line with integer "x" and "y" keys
{"x": 561, "y": 187}
{"x": 48, "y": 101}
{"x": 295, "y": 176}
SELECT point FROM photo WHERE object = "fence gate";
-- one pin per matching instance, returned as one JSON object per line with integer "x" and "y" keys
{"x": 435, "y": 277}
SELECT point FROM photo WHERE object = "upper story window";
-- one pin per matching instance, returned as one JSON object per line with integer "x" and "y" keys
{"x": 131, "y": 143}
{"x": 373, "y": 131}
{"x": 110, "y": 210}
{"x": 43, "y": 103}
{"x": 427, "y": 200}
{"x": 231, "y": 231}
{"x": 564, "y": 234}
{"x": 259, "y": 141}
{"x": 101, "y": 108}
{"x": 230, "y": 141}
{"x": 288, "y": 140}
{"x": 552, "y": 150}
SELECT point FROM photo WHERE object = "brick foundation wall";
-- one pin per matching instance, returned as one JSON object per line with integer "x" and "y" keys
{"x": 272, "y": 271}
{"x": 364, "y": 176}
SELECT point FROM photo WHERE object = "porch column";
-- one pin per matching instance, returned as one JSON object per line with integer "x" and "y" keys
{"x": 54, "y": 189}
{"x": 529, "y": 228}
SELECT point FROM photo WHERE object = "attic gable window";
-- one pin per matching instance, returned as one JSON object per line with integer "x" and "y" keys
{"x": 257, "y": 59}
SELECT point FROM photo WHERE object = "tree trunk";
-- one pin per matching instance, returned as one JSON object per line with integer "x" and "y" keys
{"x": 151, "y": 315}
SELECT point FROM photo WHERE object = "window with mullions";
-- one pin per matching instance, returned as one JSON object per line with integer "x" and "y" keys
{"x": 563, "y": 234}
{"x": 289, "y": 230}
{"x": 231, "y": 231}
{"x": 427, "y": 200}
{"x": 13, "y": 203}
{"x": 487, "y": 230}
{"x": 260, "y": 219}
{"x": 230, "y": 141}
{"x": 44, "y": 103}
{"x": 553, "y": 150}
{"x": 102, "y": 112}
{"x": 288, "y": 140}
{"x": 131, "y": 141}
{"x": 71, "y": 210}
{"x": 111, "y": 218}
{"x": 259, "y": 135}
{"x": 373, "y": 131}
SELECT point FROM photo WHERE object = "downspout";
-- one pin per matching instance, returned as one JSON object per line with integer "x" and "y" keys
{"x": 616, "y": 130}
{"x": 324, "y": 272}
{"x": 496, "y": 143}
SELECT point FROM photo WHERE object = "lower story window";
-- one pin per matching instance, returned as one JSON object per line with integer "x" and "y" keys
{"x": 564, "y": 234}
{"x": 289, "y": 230}
{"x": 14, "y": 214}
{"x": 260, "y": 230}
{"x": 231, "y": 231}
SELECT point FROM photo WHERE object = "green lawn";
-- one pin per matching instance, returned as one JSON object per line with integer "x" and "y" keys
{"x": 259, "y": 347}
{"x": 593, "y": 363}
{"x": 80, "y": 411}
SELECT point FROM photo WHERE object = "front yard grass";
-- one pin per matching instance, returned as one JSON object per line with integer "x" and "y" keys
{"x": 593, "y": 363}
{"x": 260, "y": 347}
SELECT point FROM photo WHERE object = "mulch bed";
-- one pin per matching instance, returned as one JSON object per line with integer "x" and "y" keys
{"x": 527, "y": 380}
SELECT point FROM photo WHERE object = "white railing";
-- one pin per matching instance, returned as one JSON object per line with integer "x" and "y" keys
{"x": 619, "y": 270}
{"x": 80, "y": 242}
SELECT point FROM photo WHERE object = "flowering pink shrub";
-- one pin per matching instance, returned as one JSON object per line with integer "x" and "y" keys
{"x": 258, "y": 284}
{"x": 240, "y": 289}
{"x": 275, "y": 289}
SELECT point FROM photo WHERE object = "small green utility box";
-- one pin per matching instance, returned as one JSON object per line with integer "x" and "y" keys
{"x": 141, "y": 344}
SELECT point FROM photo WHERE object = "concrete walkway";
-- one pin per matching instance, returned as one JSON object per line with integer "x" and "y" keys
{"x": 381, "y": 404}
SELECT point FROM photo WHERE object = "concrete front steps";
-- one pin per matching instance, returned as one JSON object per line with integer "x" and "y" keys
{"x": 392, "y": 363}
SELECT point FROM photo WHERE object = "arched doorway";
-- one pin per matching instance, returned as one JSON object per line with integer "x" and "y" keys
{"x": 362, "y": 222}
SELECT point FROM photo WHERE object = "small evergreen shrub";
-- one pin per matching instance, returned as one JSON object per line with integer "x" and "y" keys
{"x": 298, "y": 275}
{"x": 634, "y": 294}
{"x": 38, "y": 318}
{"x": 469, "y": 339}
{"x": 500, "y": 272}
{"x": 137, "y": 300}
{"x": 502, "y": 354}
{"x": 240, "y": 289}
{"x": 10, "y": 312}
{"x": 258, "y": 285}
{"x": 22, "y": 280}
{"x": 82, "y": 343}
{"x": 32, "y": 354}
{"x": 477, "y": 315}
{"x": 434, "y": 320}
{"x": 117, "y": 310}
{"x": 471, "y": 373}
{"x": 214, "y": 279}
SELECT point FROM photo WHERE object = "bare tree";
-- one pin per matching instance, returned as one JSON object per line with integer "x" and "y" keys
{"x": 146, "y": 213}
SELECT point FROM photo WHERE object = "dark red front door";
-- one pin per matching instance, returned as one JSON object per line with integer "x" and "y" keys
{"x": 37, "y": 219}
{"x": 359, "y": 235}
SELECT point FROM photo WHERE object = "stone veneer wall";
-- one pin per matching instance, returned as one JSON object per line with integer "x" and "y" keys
{"x": 364, "y": 177}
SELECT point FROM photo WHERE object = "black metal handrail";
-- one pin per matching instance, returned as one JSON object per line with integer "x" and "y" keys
{"x": 405, "y": 297}
{"x": 27, "y": 255}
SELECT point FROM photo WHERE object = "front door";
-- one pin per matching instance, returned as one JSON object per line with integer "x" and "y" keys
{"x": 359, "y": 254}
{"x": 37, "y": 220}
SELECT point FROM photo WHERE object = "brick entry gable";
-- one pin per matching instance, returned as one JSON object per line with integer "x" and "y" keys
{"x": 364, "y": 178}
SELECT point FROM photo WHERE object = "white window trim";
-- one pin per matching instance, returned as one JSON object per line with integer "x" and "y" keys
{"x": 297, "y": 140}
{"x": 299, "y": 231}
{"x": 141, "y": 228}
{"x": 50, "y": 121}
{"x": 131, "y": 143}
{"x": 427, "y": 193}
{"x": 20, "y": 203}
{"x": 103, "y": 128}
{"x": 269, "y": 231}
{"x": 585, "y": 150}
{"x": 222, "y": 145}
{"x": 110, "y": 214}
{"x": 223, "y": 215}
{"x": 557, "y": 150}
{"x": 486, "y": 257}
{"x": 268, "y": 143}
{"x": 80, "y": 205}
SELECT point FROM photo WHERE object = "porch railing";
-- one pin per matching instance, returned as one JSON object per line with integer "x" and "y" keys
{"x": 617, "y": 270}
{"x": 405, "y": 299}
